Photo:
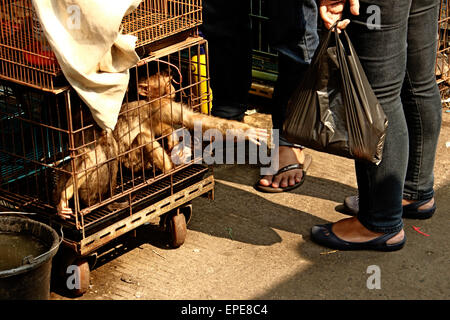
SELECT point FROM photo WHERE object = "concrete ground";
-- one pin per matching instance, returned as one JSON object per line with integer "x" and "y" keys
{"x": 250, "y": 245}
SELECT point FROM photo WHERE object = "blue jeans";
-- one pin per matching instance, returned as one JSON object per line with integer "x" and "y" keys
{"x": 399, "y": 60}
{"x": 294, "y": 35}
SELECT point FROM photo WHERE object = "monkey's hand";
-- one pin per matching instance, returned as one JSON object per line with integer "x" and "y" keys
{"x": 255, "y": 135}
{"x": 64, "y": 211}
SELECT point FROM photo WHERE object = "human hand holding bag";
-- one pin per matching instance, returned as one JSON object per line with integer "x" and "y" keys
{"x": 334, "y": 109}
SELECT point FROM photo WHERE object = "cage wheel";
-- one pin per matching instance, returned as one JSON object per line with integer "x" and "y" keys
{"x": 82, "y": 277}
{"x": 178, "y": 229}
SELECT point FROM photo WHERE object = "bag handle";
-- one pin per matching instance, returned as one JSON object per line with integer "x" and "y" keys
{"x": 326, "y": 41}
{"x": 350, "y": 55}
{"x": 343, "y": 66}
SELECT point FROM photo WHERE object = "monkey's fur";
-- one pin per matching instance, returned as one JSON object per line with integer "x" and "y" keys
{"x": 96, "y": 168}
{"x": 133, "y": 141}
{"x": 141, "y": 121}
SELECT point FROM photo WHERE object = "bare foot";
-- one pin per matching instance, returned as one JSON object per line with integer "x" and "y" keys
{"x": 352, "y": 230}
{"x": 287, "y": 156}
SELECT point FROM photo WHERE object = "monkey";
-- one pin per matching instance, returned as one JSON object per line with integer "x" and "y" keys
{"x": 143, "y": 120}
{"x": 134, "y": 143}
{"x": 95, "y": 167}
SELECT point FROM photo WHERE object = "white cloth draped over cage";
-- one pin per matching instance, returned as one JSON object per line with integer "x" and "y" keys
{"x": 94, "y": 56}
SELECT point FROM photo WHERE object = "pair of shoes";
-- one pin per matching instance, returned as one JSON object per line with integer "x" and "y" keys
{"x": 410, "y": 211}
{"x": 323, "y": 235}
{"x": 303, "y": 166}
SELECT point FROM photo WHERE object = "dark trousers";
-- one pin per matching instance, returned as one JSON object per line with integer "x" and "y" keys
{"x": 292, "y": 31}
{"x": 226, "y": 26}
{"x": 399, "y": 59}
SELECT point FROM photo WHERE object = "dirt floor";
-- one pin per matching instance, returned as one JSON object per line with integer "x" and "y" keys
{"x": 250, "y": 245}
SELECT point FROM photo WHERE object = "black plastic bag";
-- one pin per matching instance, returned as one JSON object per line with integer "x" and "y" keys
{"x": 335, "y": 110}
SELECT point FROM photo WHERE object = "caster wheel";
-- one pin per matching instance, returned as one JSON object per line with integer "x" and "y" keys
{"x": 186, "y": 210}
{"x": 177, "y": 229}
{"x": 63, "y": 259}
{"x": 71, "y": 272}
{"x": 78, "y": 280}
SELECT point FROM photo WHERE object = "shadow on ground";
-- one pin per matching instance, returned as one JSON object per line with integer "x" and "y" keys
{"x": 418, "y": 271}
{"x": 235, "y": 241}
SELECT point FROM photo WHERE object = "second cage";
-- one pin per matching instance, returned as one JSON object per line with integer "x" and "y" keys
{"x": 27, "y": 58}
{"x": 98, "y": 185}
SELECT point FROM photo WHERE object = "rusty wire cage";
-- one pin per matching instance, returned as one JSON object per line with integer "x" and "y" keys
{"x": 26, "y": 57}
{"x": 264, "y": 58}
{"x": 156, "y": 19}
{"x": 442, "y": 59}
{"x": 50, "y": 146}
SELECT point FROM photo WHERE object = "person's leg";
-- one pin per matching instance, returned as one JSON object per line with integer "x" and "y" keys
{"x": 226, "y": 26}
{"x": 381, "y": 210}
{"x": 422, "y": 108}
{"x": 289, "y": 71}
{"x": 383, "y": 53}
{"x": 421, "y": 101}
{"x": 296, "y": 39}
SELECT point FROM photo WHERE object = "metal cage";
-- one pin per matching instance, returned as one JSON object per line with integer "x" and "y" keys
{"x": 49, "y": 143}
{"x": 156, "y": 19}
{"x": 26, "y": 57}
{"x": 442, "y": 59}
{"x": 264, "y": 58}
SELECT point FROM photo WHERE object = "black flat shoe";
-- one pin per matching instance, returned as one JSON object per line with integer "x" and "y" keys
{"x": 323, "y": 235}
{"x": 351, "y": 205}
{"x": 410, "y": 211}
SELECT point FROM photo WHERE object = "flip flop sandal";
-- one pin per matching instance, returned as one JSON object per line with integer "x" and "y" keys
{"x": 323, "y": 235}
{"x": 303, "y": 166}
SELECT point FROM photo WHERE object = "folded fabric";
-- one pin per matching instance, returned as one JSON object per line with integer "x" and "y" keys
{"x": 94, "y": 56}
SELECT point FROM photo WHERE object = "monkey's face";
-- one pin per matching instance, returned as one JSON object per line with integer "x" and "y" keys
{"x": 156, "y": 86}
